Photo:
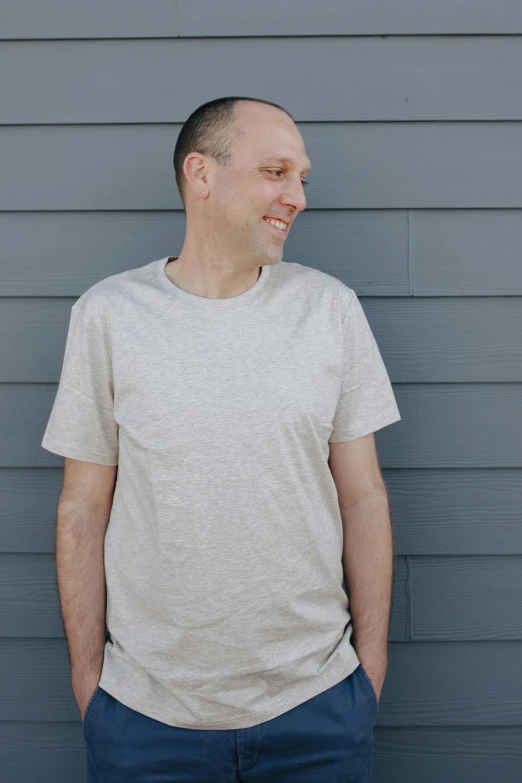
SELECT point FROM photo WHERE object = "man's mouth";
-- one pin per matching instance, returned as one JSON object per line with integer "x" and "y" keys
{"x": 278, "y": 225}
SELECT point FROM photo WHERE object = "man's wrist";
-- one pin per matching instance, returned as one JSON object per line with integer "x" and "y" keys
{"x": 375, "y": 666}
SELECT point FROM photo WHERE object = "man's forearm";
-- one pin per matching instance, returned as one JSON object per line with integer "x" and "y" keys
{"x": 368, "y": 558}
{"x": 80, "y": 537}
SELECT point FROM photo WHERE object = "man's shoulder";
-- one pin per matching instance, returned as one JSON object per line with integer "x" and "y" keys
{"x": 110, "y": 292}
{"x": 319, "y": 283}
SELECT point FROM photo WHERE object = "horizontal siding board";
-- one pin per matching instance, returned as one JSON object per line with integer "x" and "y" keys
{"x": 82, "y": 248}
{"x": 29, "y": 605}
{"x": 442, "y": 425}
{"x": 467, "y": 252}
{"x": 56, "y": 19}
{"x": 414, "y": 165}
{"x": 35, "y": 681}
{"x": 455, "y": 512}
{"x": 434, "y": 512}
{"x": 455, "y": 425}
{"x": 389, "y": 78}
{"x": 29, "y": 599}
{"x": 365, "y": 248}
{"x": 33, "y": 404}
{"x": 26, "y": 19}
{"x": 358, "y": 17}
{"x": 452, "y": 755}
{"x": 454, "y": 252}
{"x": 462, "y": 340}
{"x": 28, "y": 506}
{"x": 421, "y": 340}
{"x": 55, "y": 753}
{"x": 466, "y": 598}
{"x": 43, "y": 752}
{"x": 427, "y": 683}
{"x": 40, "y": 348}
{"x": 356, "y": 166}
{"x": 452, "y": 684}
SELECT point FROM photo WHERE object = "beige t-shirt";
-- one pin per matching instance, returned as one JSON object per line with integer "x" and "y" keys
{"x": 225, "y": 598}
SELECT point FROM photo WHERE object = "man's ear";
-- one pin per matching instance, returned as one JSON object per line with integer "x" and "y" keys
{"x": 196, "y": 168}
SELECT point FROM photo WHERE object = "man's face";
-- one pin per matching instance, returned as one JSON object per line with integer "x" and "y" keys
{"x": 258, "y": 184}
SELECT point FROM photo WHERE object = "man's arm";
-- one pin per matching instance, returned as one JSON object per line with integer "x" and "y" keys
{"x": 368, "y": 549}
{"x": 84, "y": 509}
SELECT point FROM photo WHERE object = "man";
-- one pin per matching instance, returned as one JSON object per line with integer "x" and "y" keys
{"x": 236, "y": 396}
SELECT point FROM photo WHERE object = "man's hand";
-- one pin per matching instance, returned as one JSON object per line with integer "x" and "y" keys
{"x": 83, "y": 689}
{"x": 376, "y": 675}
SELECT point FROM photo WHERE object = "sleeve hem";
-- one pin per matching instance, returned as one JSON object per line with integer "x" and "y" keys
{"x": 365, "y": 429}
{"x": 75, "y": 453}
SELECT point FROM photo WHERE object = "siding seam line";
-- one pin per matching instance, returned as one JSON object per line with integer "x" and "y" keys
{"x": 411, "y": 251}
{"x": 408, "y": 598}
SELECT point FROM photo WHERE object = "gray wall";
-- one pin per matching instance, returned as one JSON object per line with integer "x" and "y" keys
{"x": 412, "y": 117}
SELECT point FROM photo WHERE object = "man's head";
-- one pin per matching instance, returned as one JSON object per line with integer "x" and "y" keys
{"x": 230, "y": 176}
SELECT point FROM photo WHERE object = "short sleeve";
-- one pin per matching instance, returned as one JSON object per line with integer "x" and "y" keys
{"x": 366, "y": 401}
{"x": 81, "y": 424}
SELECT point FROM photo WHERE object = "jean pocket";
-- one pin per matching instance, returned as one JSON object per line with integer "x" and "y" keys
{"x": 370, "y": 687}
{"x": 90, "y": 705}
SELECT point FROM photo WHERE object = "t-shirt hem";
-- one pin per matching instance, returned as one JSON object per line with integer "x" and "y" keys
{"x": 329, "y": 678}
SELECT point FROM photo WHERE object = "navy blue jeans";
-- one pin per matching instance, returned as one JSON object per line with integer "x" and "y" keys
{"x": 326, "y": 739}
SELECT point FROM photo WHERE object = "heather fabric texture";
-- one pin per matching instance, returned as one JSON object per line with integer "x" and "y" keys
{"x": 225, "y": 597}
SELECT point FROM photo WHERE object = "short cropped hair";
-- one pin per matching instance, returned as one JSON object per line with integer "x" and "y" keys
{"x": 208, "y": 131}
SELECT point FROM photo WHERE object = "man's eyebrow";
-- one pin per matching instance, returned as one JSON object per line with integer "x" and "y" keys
{"x": 284, "y": 159}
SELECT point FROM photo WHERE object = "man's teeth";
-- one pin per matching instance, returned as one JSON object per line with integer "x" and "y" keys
{"x": 276, "y": 223}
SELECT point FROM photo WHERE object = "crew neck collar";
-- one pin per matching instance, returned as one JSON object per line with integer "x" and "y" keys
{"x": 221, "y": 303}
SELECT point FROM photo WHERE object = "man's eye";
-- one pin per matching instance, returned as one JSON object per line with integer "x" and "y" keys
{"x": 278, "y": 171}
